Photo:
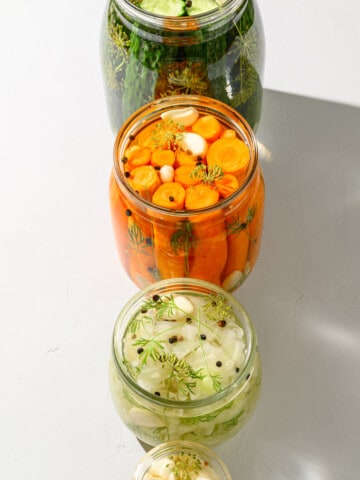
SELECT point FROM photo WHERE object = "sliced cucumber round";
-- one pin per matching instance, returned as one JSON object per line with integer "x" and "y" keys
{"x": 167, "y": 8}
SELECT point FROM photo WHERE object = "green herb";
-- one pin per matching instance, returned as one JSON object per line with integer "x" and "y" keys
{"x": 167, "y": 133}
{"x": 217, "y": 307}
{"x": 238, "y": 225}
{"x": 184, "y": 240}
{"x": 138, "y": 241}
{"x": 180, "y": 372}
{"x": 185, "y": 466}
{"x": 152, "y": 348}
{"x": 207, "y": 174}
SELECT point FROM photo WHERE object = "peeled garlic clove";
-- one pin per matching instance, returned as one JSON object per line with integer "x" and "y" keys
{"x": 138, "y": 416}
{"x": 194, "y": 143}
{"x": 184, "y": 116}
{"x": 167, "y": 173}
{"x": 183, "y": 307}
{"x": 232, "y": 281}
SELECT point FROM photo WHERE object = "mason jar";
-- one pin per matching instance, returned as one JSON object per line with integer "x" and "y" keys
{"x": 184, "y": 459}
{"x": 219, "y": 243}
{"x": 219, "y": 53}
{"x": 184, "y": 364}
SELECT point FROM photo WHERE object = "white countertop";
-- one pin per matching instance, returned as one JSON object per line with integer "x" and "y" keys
{"x": 61, "y": 284}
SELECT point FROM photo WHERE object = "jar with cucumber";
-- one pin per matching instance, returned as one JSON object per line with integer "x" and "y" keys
{"x": 156, "y": 48}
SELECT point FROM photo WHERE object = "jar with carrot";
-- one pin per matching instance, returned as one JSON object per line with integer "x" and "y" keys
{"x": 187, "y": 193}
{"x": 156, "y": 48}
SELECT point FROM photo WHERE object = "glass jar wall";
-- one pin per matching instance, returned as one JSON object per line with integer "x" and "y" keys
{"x": 219, "y": 54}
{"x": 219, "y": 244}
{"x": 185, "y": 364}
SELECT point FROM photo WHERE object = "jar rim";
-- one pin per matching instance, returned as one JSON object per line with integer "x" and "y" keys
{"x": 186, "y": 23}
{"x": 181, "y": 284}
{"x": 174, "y": 447}
{"x": 140, "y": 118}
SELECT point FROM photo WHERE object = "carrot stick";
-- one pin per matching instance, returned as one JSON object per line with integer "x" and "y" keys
{"x": 170, "y": 195}
{"x": 210, "y": 249}
{"x": 230, "y": 154}
{"x": 208, "y": 127}
{"x": 255, "y": 227}
{"x": 133, "y": 237}
{"x": 170, "y": 261}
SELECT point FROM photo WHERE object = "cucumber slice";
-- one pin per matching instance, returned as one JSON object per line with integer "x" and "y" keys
{"x": 167, "y": 8}
{"x": 201, "y": 6}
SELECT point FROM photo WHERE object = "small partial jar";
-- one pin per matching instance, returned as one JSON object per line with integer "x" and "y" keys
{"x": 218, "y": 53}
{"x": 219, "y": 243}
{"x": 186, "y": 460}
{"x": 185, "y": 364}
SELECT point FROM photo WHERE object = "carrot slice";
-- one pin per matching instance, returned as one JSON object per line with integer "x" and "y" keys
{"x": 162, "y": 157}
{"x": 184, "y": 176}
{"x": 200, "y": 196}
{"x": 137, "y": 156}
{"x": 230, "y": 154}
{"x": 170, "y": 195}
{"x": 228, "y": 133}
{"x": 226, "y": 185}
{"x": 144, "y": 180}
{"x": 184, "y": 158}
{"x": 208, "y": 127}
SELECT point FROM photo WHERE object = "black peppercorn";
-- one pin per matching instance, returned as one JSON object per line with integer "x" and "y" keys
{"x": 156, "y": 298}
{"x": 171, "y": 198}
{"x": 218, "y": 363}
{"x": 127, "y": 174}
{"x": 157, "y": 393}
{"x": 173, "y": 339}
{"x": 128, "y": 212}
{"x": 140, "y": 350}
{"x": 203, "y": 336}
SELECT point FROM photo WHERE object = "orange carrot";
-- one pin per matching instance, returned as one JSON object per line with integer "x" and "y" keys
{"x": 230, "y": 154}
{"x": 226, "y": 185}
{"x": 144, "y": 180}
{"x": 200, "y": 196}
{"x": 255, "y": 227}
{"x": 137, "y": 156}
{"x": 208, "y": 127}
{"x": 184, "y": 158}
{"x": 170, "y": 261}
{"x": 133, "y": 236}
{"x": 184, "y": 176}
{"x": 210, "y": 248}
{"x": 162, "y": 157}
{"x": 170, "y": 195}
{"x": 228, "y": 133}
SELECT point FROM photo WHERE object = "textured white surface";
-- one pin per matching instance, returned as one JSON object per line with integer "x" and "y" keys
{"x": 61, "y": 285}
{"x": 312, "y": 48}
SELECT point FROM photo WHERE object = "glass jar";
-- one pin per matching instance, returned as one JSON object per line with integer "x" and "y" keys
{"x": 219, "y": 244}
{"x": 219, "y": 54}
{"x": 189, "y": 459}
{"x": 154, "y": 393}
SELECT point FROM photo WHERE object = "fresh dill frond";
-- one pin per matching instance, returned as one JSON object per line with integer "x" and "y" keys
{"x": 167, "y": 133}
{"x": 238, "y": 225}
{"x": 207, "y": 174}
{"x": 149, "y": 348}
{"x": 216, "y": 307}
{"x": 185, "y": 465}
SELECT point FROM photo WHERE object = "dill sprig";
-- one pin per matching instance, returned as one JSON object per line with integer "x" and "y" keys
{"x": 216, "y": 307}
{"x": 207, "y": 174}
{"x": 183, "y": 240}
{"x": 185, "y": 465}
{"x": 180, "y": 373}
{"x": 150, "y": 348}
{"x": 238, "y": 225}
{"x": 167, "y": 133}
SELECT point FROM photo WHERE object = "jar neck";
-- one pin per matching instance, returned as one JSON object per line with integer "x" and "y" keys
{"x": 183, "y": 25}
